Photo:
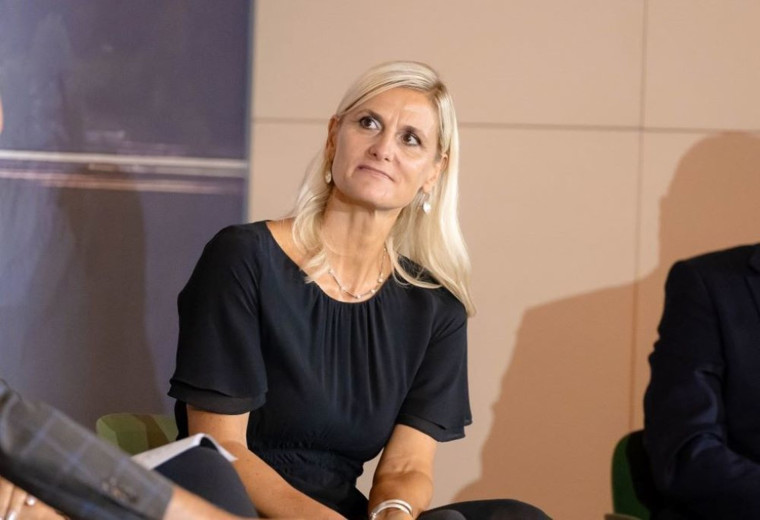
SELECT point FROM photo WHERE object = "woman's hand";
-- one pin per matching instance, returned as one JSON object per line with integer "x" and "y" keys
{"x": 17, "y": 504}
{"x": 12, "y": 500}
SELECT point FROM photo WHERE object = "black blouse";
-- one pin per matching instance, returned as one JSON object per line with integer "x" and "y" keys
{"x": 325, "y": 381}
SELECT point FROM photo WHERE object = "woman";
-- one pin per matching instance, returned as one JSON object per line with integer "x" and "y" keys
{"x": 308, "y": 345}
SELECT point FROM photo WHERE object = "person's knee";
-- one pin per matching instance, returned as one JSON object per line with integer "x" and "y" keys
{"x": 206, "y": 473}
{"x": 522, "y": 511}
{"x": 442, "y": 514}
{"x": 498, "y": 509}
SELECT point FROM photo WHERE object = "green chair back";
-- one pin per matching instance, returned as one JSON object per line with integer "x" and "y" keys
{"x": 633, "y": 489}
{"x": 135, "y": 433}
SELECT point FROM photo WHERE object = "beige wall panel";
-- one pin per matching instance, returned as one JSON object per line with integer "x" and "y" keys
{"x": 550, "y": 220}
{"x": 699, "y": 193}
{"x": 703, "y": 68}
{"x": 280, "y": 154}
{"x": 518, "y": 61}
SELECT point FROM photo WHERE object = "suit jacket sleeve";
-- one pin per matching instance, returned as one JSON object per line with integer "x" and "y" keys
{"x": 685, "y": 427}
{"x": 66, "y": 466}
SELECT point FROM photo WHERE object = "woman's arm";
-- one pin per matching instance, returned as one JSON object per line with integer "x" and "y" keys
{"x": 270, "y": 493}
{"x": 405, "y": 472}
{"x": 186, "y": 506}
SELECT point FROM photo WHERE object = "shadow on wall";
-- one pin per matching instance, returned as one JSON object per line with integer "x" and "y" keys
{"x": 559, "y": 414}
{"x": 75, "y": 331}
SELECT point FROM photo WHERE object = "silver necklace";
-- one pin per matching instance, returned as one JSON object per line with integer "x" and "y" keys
{"x": 373, "y": 290}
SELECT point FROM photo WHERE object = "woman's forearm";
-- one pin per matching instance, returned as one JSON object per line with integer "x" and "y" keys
{"x": 186, "y": 506}
{"x": 272, "y": 495}
{"x": 405, "y": 472}
{"x": 413, "y": 487}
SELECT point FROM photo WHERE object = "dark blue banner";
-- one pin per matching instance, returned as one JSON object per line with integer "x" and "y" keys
{"x": 123, "y": 149}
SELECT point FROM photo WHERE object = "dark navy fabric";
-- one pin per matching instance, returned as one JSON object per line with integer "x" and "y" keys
{"x": 325, "y": 381}
{"x": 702, "y": 406}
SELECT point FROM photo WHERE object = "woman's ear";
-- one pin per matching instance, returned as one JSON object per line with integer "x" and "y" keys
{"x": 332, "y": 134}
{"x": 438, "y": 168}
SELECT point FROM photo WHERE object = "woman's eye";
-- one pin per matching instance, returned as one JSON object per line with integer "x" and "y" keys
{"x": 411, "y": 139}
{"x": 368, "y": 122}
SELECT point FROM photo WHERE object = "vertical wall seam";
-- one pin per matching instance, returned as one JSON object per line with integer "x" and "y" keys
{"x": 637, "y": 219}
{"x": 253, "y": 20}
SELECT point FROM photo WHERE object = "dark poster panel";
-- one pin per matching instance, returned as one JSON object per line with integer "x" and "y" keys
{"x": 147, "y": 77}
{"x": 123, "y": 150}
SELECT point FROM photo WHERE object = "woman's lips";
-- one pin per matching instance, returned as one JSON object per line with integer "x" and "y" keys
{"x": 376, "y": 171}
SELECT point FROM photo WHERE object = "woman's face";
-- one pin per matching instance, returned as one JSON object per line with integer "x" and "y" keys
{"x": 385, "y": 150}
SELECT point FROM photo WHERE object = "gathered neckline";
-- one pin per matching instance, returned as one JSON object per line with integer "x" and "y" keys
{"x": 316, "y": 286}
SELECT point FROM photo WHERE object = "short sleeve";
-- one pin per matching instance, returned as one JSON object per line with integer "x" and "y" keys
{"x": 438, "y": 402}
{"x": 219, "y": 360}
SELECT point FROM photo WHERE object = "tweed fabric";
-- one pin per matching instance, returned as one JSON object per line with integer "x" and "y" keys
{"x": 66, "y": 466}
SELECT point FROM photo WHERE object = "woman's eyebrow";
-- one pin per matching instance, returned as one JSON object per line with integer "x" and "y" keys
{"x": 374, "y": 115}
{"x": 414, "y": 129}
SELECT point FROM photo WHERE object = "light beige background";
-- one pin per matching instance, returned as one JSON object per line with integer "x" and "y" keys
{"x": 601, "y": 140}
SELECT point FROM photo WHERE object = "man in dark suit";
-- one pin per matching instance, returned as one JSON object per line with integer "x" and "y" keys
{"x": 46, "y": 453}
{"x": 702, "y": 406}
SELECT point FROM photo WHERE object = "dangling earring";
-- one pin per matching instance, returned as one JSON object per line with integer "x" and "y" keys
{"x": 426, "y": 206}
{"x": 328, "y": 177}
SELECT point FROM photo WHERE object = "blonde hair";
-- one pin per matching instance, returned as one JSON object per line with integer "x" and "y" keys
{"x": 433, "y": 240}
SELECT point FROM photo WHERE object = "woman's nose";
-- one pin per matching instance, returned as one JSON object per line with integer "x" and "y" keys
{"x": 382, "y": 148}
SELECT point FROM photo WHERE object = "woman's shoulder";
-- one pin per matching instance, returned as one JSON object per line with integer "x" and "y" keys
{"x": 417, "y": 271}
{"x": 241, "y": 237}
{"x": 242, "y": 232}
{"x": 237, "y": 247}
{"x": 438, "y": 299}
